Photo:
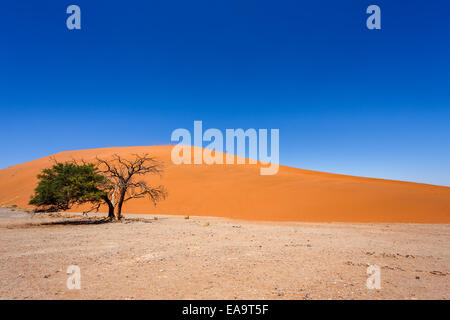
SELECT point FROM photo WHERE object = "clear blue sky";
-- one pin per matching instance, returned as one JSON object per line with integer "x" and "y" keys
{"x": 346, "y": 99}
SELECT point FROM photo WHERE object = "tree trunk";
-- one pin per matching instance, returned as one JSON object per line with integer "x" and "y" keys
{"x": 117, "y": 215}
{"x": 119, "y": 205}
{"x": 111, "y": 215}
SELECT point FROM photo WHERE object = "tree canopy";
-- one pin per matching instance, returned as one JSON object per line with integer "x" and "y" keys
{"x": 68, "y": 184}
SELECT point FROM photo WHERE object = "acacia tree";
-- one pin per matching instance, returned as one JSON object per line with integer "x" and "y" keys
{"x": 67, "y": 184}
{"x": 113, "y": 181}
{"x": 122, "y": 182}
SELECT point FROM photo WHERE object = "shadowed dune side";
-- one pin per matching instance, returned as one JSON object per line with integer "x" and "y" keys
{"x": 240, "y": 192}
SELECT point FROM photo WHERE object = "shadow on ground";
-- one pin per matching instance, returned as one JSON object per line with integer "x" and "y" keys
{"x": 72, "y": 222}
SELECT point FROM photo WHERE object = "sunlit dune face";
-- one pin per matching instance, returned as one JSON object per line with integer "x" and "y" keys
{"x": 239, "y": 191}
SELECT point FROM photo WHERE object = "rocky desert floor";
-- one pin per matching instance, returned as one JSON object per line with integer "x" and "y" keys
{"x": 172, "y": 257}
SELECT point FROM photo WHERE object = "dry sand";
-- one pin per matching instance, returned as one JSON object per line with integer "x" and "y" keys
{"x": 177, "y": 258}
{"x": 374, "y": 222}
{"x": 240, "y": 192}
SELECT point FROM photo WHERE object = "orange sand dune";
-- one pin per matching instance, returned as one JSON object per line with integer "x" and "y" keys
{"x": 239, "y": 191}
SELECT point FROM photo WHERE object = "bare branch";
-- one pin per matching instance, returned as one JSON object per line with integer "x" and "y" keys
{"x": 95, "y": 207}
{"x": 121, "y": 174}
{"x": 53, "y": 159}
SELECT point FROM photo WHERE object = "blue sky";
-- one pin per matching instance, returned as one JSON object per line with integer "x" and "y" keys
{"x": 346, "y": 99}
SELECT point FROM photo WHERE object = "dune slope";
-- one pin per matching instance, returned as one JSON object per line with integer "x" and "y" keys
{"x": 239, "y": 191}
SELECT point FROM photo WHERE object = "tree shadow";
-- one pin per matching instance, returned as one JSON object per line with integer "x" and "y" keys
{"x": 73, "y": 222}
{"x": 77, "y": 222}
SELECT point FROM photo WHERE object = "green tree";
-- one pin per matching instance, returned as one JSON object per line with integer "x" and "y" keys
{"x": 68, "y": 184}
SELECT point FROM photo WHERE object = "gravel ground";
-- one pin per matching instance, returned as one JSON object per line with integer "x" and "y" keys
{"x": 170, "y": 257}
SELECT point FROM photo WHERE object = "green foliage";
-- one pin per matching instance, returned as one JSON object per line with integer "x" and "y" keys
{"x": 67, "y": 184}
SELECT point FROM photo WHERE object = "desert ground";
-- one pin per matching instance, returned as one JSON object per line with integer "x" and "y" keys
{"x": 175, "y": 257}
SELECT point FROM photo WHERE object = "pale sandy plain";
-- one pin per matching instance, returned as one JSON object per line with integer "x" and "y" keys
{"x": 299, "y": 234}
{"x": 217, "y": 258}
